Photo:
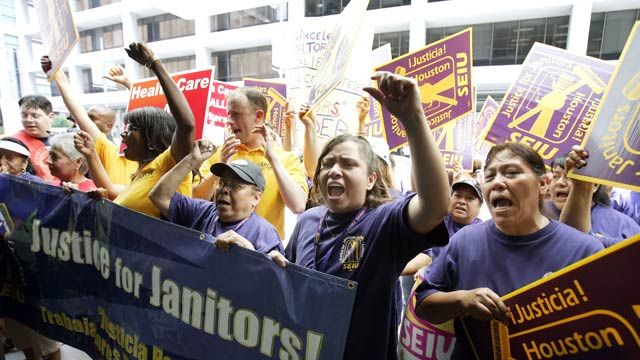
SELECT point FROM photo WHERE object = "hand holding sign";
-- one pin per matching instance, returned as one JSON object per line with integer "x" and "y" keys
{"x": 484, "y": 304}
{"x": 399, "y": 95}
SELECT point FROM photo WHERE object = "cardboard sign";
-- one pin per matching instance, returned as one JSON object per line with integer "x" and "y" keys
{"x": 550, "y": 105}
{"x": 276, "y": 94}
{"x": 194, "y": 84}
{"x": 443, "y": 72}
{"x": 336, "y": 57}
{"x": 216, "y": 121}
{"x": 613, "y": 141}
{"x": 588, "y": 310}
{"x": 57, "y": 29}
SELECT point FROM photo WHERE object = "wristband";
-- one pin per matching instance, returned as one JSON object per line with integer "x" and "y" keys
{"x": 150, "y": 63}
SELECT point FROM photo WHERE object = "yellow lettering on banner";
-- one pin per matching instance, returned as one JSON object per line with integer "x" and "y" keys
{"x": 608, "y": 146}
{"x": 158, "y": 354}
{"x": 547, "y": 304}
{"x": 575, "y": 344}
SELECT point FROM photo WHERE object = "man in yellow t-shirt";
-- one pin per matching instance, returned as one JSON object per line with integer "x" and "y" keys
{"x": 285, "y": 177}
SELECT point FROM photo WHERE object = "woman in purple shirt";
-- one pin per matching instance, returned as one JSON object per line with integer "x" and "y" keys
{"x": 608, "y": 225}
{"x": 517, "y": 246}
{"x": 362, "y": 235}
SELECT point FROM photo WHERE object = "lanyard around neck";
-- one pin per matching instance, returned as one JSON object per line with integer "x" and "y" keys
{"x": 321, "y": 264}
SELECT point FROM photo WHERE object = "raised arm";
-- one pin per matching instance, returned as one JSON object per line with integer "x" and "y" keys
{"x": 577, "y": 210}
{"x": 85, "y": 144}
{"x": 401, "y": 97}
{"x": 311, "y": 149}
{"x": 289, "y": 128}
{"x": 118, "y": 75}
{"x": 183, "y": 137}
{"x": 70, "y": 99}
{"x": 168, "y": 184}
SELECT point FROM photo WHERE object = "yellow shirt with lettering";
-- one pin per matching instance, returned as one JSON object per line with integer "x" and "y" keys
{"x": 136, "y": 195}
{"x": 118, "y": 167}
{"x": 271, "y": 205}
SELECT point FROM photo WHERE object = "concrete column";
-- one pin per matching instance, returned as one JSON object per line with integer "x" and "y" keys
{"x": 417, "y": 30}
{"x": 579, "y": 23}
{"x": 129, "y": 35}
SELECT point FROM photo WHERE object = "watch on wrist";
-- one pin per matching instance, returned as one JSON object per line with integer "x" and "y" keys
{"x": 150, "y": 63}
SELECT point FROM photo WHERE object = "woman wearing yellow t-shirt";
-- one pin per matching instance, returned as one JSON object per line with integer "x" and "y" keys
{"x": 155, "y": 139}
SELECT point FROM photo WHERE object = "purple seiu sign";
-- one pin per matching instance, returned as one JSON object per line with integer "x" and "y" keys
{"x": 553, "y": 101}
{"x": 443, "y": 72}
{"x": 614, "y": 140}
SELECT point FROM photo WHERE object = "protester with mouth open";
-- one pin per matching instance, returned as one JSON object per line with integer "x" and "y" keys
{"x": 231, "y": 218}
{"x": 607, "y": 224}
{"x": 285, "y": 177}
{"x": 360, "y": 233}
{"x": 517, "y": 246}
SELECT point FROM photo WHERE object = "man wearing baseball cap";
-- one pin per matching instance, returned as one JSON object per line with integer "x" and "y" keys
{"x": 466, "y": 199}
{"x": 231, "y": 218}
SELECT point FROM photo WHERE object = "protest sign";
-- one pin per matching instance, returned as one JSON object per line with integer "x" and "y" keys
{"x": 481, "y": 147}
{"x": 421, "y": 340}
{"x": 336, "y": 57}
{"x": 194, "y": 84}
{"x": 57, "y": 29}
{"x": 455, "y": 141}
{"x": 373, "y": 123}
{"x": 443, "y": 73}
{"x": 305, "y": 44}
{"x": 276, "y": 94}
{"x": 118, "y": 284}
{"x": 613, "y": 140}
{"x": 551, "y": 103}
{"x": 578, "y": 312}
{"x": 216, "y": 121}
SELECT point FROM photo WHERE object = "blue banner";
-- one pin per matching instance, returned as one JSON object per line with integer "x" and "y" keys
{"x": 120, "y": 285}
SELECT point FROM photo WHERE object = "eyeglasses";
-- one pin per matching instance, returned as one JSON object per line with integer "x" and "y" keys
{"x": 231, "y": 184}
{"x": 128, "y": 129}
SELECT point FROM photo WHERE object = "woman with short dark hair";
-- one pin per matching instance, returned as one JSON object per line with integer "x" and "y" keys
{"x": 516, "y": 247}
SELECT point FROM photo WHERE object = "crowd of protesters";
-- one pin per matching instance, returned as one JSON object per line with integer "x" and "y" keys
{"x": 353, "y": 221}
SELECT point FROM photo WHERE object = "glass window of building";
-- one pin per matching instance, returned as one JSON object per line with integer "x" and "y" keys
{"x": 11, "y": 52}
{"x": 508, "y": 42}
{"x": 249, "y": 17}
{"x": 163, "y": 27}
{"x": 173, "y": 65}
{"x": 8, "y": 12}
{"x": 234, "y": 65}
{"x": 609, "y": 32}
{"x": 87, "y": 82}
{"x": 90, "y": 4}
{"x": 331, "y": 7}
{"x": 399, "y": 42}
{"x": 103, "y": 38}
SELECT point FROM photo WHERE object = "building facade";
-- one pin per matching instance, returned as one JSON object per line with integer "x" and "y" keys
{"x": 239, "y": 41}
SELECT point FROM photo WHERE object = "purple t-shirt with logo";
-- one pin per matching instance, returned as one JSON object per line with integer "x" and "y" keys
{"x": 482, "y": 256}
{"x": 607, "y": 225}
{"x": 373, "y": 251}
{"x": 202, "y": 215}
{"x": 627, "y": 202}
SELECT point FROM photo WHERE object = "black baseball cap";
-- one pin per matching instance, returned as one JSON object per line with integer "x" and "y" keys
{"x": 245, "y": 169}
{"x": 468, "y": 182}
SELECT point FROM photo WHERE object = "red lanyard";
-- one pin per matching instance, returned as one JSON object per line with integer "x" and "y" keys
{"x": 321, "y": 264}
